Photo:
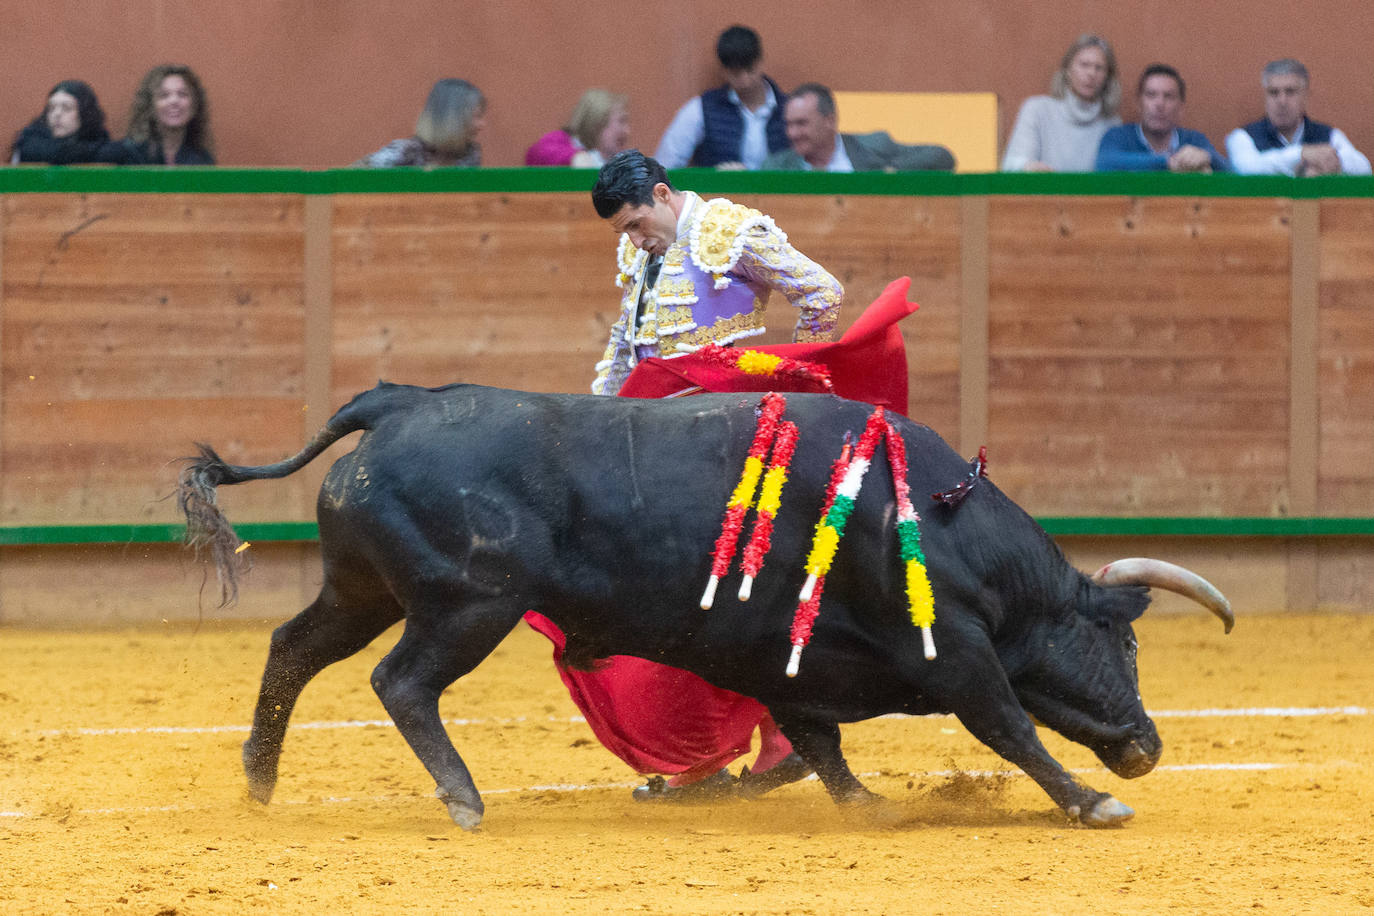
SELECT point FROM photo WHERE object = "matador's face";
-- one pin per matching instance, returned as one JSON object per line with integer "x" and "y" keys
{"x": 651, "y": 227}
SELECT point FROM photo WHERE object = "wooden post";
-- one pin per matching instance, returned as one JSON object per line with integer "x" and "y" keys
{"x": 1304, "y": 434}
{"x": 973, "y": 324}
{"x": 319, "y": 349}
{"x": 4, "y": 205}
{"x": 319, "y": 307}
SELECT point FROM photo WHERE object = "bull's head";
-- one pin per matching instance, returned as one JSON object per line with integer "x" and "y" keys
{"x": 1083, "y": 683}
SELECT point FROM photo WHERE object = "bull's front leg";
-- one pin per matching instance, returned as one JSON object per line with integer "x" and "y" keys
{"x": 994, "y": 716}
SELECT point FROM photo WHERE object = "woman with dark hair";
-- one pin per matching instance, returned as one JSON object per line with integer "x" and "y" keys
{"x": 446, "y": 133}
{"x": 169, "y": 120}
{"x": 70, "y": 129}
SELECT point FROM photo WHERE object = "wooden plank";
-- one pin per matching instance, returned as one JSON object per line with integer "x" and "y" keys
{"x": 1344, "y": 574}
{"x": 4, "y": 208}
{"x": 867, "y": 242}
{"x": 1138, "y": 355}
{"x": 1345, "y": 348}
{"x": 494, "y": 289}
{"x": 1303, "y": 405}
{"x": 973, "y": 326}
{"x": 121, "y": 585}
{"x": 319, "y": 318}
{"x": 135, "y": 325}
{"x": 519, "y": 290}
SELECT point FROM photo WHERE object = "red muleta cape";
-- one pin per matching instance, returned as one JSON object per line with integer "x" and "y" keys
{"x": 660, "y": 719}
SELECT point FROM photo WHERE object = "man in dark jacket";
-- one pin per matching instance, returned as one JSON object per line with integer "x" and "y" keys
{"x": 812, "y": 129}
{"x": 732, "y": 126}
{"x": 1286, "y": 141}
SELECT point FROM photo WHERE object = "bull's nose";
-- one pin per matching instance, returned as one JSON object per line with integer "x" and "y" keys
{"x": 1137, "y": 760}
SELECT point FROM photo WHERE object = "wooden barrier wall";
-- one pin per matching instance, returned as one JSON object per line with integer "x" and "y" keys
{"x": 1120, "y": 355}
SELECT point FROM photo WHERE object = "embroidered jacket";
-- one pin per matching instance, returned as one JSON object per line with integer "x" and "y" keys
{"x": 713, "y": 287}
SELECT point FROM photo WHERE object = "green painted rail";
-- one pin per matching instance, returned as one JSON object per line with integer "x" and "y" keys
{"x": 153, "y": 180}
{"x": 1059, "y": 525}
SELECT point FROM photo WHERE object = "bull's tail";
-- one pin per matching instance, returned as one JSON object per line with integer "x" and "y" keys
{"x": 206, "y": 526}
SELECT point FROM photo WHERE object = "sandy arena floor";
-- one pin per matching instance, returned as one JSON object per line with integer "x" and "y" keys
{"x": 120, "y": 792}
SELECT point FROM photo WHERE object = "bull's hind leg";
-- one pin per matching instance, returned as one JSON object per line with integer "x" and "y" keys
{"x": 819, "y": 745}
{"x": 329, "y": 630}
{"x": 442, "y": 642}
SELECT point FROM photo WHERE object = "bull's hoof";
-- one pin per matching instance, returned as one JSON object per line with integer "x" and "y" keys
{"x": 261, "y": 773}
{"x": 870, "y": 809}
{"x": 1107, "y": 812}
{"x": 463, "y": 814}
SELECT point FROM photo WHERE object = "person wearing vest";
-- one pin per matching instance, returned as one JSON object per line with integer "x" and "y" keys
{"x": 1286, "y": 141}
{"x": 732, "y": 126}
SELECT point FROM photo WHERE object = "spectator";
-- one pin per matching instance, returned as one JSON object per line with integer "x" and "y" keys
{"x": 446, "y": 133}
{"x": 70, "y": 129}
{"x": 1060, "y": 132}
{"x": 169, "y": 121}
{"x": 1158, "y": 142}
{"x": 817, "y": 144}
{"x": 733, "y": 126}
{"x": 598, "y": 128}
{"x": 1286, "y": 141}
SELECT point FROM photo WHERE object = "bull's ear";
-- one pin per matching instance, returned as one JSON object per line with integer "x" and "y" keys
{"x": 1123, "y": 603}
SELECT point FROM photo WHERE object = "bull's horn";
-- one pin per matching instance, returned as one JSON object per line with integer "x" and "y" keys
{"x": 1159, "y": 574}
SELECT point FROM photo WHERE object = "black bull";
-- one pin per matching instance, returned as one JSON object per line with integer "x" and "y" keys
{"x": 463, "y": 507}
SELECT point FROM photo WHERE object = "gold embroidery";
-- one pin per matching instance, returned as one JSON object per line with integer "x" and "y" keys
{"x": 675, "y": 290}
{"x": 670, "y": 318}
{"x": 717, "y": 228}
{"x": 805, "y": 335}
{"x": 713, "y": 333}
{"x": 630, "y": 261}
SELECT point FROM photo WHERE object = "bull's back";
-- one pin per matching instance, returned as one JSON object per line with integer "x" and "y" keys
{"x": 603, "y": 512}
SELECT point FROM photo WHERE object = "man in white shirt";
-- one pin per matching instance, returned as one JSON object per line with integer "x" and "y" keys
{"x": 1287, "y": 142}
{"x": 732, "y": 126}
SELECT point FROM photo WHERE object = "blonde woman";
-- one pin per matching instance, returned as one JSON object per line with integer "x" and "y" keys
{"x": 598, "y": 128}
{"x": 446, "y": 135}
{"x": 1060, "y": 132}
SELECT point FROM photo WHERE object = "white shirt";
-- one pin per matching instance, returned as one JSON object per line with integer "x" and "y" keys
{"x": 688, "y": 129}
{"x": 839, "y": 160}
{"x": 1246, "y": 159}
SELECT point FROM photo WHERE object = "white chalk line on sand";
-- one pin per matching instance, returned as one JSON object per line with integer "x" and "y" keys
{"x": 598, "y": 787}
{"x": 1247, "y": 712}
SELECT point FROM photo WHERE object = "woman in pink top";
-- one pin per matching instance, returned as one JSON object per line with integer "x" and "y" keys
{"x": 598, "y": 129}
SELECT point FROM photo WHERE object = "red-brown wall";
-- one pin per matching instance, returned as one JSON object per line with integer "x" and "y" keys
{"x": 319, "y": 84}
